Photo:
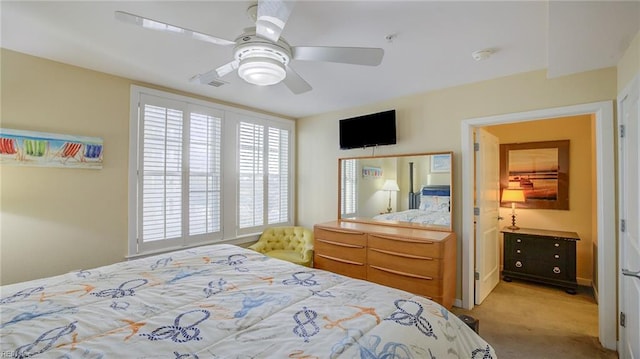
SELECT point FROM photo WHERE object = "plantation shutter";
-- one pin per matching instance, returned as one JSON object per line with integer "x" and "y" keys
{"x": 264, "y": 175}
{"x": 349, "y": 196}
{"x": 278, "y": 179}
{"x": 161, "y": 171}
{"x": 179, "y": 181}
{"x": 205, "y": 196}
{"x": 251, "y": 175}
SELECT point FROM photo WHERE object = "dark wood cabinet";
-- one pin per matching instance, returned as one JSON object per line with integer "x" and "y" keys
{"x": 542, "y": 256}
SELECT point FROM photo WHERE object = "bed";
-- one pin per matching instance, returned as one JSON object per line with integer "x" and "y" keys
{"x": 224, "y": 301}
{"x": 433, "y": 208}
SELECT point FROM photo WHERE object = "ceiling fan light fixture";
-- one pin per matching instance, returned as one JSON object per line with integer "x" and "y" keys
{"x": 261, "y": 71}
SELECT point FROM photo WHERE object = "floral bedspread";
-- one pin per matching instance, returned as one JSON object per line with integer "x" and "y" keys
{"x": 224, "y": 301}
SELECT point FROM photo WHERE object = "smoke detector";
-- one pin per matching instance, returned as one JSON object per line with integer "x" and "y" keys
{"x": 482, "y": 54}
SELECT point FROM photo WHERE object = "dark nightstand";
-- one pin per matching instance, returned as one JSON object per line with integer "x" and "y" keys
{"x": 542, "y": 256}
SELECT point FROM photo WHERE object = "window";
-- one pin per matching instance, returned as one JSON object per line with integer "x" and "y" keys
{"x": 263, "y": 176}
{"x": 202, "y": 172}
{"x": 349, "y": 188}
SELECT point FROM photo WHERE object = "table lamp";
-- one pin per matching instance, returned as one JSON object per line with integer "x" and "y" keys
{"x": 513, "y": 195}
{"x": 390, "y": 186}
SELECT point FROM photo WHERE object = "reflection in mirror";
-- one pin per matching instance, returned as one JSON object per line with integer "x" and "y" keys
{"x": 405, "y": 190}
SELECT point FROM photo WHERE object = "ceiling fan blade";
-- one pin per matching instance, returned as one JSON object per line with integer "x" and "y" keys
{"x": 214, "y": 75}
{"x": 295, "y": 83}
{"x": 161, "y": 26}
{"x": 368, "y": 56}
{"x": 272, "y": 17}
{"x": 227, "y": 68}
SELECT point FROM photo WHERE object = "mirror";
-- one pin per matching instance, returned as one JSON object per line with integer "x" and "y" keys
{"x": 413, "y": 190}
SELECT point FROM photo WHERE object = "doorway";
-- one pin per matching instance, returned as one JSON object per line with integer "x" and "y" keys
{"x": 606, "y": 233}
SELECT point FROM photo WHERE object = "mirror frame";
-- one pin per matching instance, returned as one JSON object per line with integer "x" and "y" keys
{"x": 398, "y": 223}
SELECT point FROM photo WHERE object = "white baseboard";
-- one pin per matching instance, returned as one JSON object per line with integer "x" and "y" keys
{"x": 457, "y": 303}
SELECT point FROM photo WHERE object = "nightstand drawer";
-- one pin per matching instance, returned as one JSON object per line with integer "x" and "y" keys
{"x": 538, "y": 268}
{"x": 430, "y": 249}
{"x": 532, "y": 254}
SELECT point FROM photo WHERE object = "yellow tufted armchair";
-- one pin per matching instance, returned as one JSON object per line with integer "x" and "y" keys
{"x": 292, "y": 244}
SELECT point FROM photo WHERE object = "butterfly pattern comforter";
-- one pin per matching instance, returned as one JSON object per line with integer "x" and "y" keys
{"x": 224, "y": 301}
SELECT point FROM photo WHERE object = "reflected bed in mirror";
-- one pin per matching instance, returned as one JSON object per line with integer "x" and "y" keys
{"x": 413, "y": 190}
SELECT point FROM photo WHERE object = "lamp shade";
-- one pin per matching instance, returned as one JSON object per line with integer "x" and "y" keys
{"x": 513, "y": 195}
{"x": 390, "y": 185}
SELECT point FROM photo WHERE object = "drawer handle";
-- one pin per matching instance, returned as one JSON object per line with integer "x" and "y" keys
{"x": 400, "y": 239}
{"x": 557, "y": 245}
{"x": 400, "y": 254}
{"x": 518, "y": 264}
{"x": 339, "y": 243}
{"x": 517, "y": 251}
{"x": 556, "y": 256}
{"x": 401, "y": 273}
{"x": 342, "y": 231}
{"x": 339, "y": 260}
{"x": 519, "y": 240}
{"x": 556, "y": 270}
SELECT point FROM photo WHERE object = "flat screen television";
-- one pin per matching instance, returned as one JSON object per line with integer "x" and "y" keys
{"x": 375, "y": 129}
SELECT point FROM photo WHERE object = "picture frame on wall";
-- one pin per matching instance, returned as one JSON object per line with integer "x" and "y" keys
{"x": 541, "y": 169}
{"x": 441, "y": 163}
{"x": 371, "y": 172}
{"x": 43, "y": 149}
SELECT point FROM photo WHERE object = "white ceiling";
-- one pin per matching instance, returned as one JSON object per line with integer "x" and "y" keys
{"x": 431, "y": 49}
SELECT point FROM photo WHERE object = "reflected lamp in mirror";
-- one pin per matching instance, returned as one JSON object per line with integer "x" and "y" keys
{"x": 513, "y": 195}
{"x": 390, "y": 186}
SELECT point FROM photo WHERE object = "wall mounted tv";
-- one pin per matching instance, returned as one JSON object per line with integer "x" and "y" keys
{"x": 375, "y": 129}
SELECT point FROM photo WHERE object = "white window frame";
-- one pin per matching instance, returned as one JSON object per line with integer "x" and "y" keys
{"x": 231, "y": 117}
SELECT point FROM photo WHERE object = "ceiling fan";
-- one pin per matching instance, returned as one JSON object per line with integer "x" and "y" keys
{"x": 261, "y": 56}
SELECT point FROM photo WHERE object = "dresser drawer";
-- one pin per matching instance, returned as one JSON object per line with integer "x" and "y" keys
{"x": 430, "y": 249}
{"x": 340, "y": 266}
{"x": 408, "y": 263}
{"x": 341, "y": 236}
{"x": 420, "y": 285}
{"x": 351, "y": 252}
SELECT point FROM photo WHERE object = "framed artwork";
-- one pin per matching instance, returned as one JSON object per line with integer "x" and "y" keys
{"x": 541, "y": 169}
{"x": 371, "y": 172}
{"x": 441, "y": 163}
{"x": 42, "y": 149}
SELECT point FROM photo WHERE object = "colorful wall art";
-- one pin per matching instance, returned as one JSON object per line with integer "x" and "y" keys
{"x": 29, "y": 148}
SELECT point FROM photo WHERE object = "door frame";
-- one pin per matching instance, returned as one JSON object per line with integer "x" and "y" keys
{"x": 628, "y": 90}
{"x": 606, "y": 205}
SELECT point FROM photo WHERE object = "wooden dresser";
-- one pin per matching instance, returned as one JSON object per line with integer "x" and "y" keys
{"x": 415, "y": 260}
{"x": 542, "y": 256}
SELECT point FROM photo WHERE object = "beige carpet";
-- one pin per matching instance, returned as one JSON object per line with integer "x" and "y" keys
{"x": 526, "y": 320}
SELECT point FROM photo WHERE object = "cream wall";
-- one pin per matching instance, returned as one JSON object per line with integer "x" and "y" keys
{"x": 431, "y": 122}
{"x": 582, "y": 206}
{"x": 54, "y": 220}
{"x": 58, "y": 219}
{"x": 629, "y": 64}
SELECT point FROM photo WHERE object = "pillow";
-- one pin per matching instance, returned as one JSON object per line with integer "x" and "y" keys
{"x": 434, "y": 203}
